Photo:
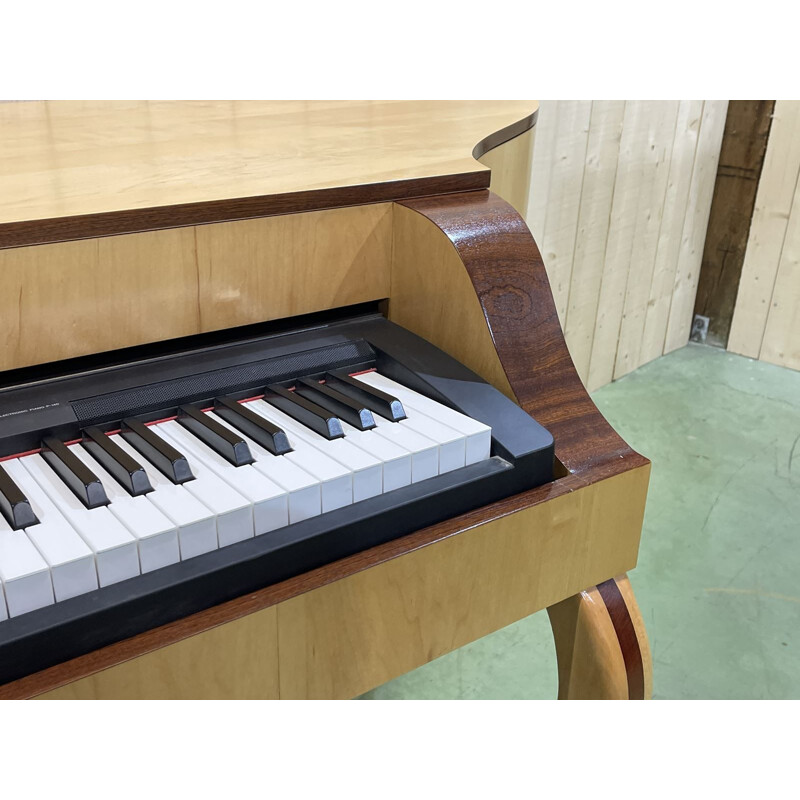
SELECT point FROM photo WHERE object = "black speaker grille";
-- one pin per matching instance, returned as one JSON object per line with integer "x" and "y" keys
{"x": 255, "y": 374}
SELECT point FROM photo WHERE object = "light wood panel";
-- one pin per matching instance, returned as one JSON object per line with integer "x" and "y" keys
{"x": 679, "y": 185}
{"x": 704, "y": 173}
{"x": 766, "y": 319}
{"x": 639, "y": 224}
{"x": 510, "y": 164}
{"x": 561, "y": 219}
{"x": 238, "y": 660}
{"x": 781, "y": 343}
{"x": 75, "y": 298}
{"x": 341, "y": 639}
{"x": 345, "y": 638}
{"x": 602, "y": 158}
{"x": 429, "y": 285}
{"x": 68, "y": 159}
{"x": 649, "y": 218}
{"x": 635, "y": 149}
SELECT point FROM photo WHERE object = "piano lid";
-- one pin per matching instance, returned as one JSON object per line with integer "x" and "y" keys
{"x": 98, "y": 168}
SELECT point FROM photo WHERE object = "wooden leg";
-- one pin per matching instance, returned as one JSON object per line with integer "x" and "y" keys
{"x": 601, "y": 644}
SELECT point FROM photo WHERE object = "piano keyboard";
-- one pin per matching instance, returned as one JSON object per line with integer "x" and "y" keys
{"x": 82, "y": 515}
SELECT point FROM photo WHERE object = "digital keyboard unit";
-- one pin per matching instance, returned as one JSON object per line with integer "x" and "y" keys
{"x": 161, "y": 481}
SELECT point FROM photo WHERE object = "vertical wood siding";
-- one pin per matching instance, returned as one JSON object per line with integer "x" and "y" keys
{"x": 620, "y": 197}
{"x": 766, "y": 318}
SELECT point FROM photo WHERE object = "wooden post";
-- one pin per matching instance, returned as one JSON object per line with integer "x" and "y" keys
{"x": 743, "y": 146}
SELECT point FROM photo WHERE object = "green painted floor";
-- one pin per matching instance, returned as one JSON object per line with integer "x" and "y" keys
{"x": 718, "y": 579}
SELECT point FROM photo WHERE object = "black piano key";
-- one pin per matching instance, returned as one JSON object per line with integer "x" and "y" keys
{"x": 14, "y": 506}
{"x": 260, "y": 430}
{"x": 126, "y": 470}
{"x": 84, "y": 483}
{"x": 223, "y": 440}
{"x": 314, "y": 417}
{"x": 347, "y": 409}
{"x": 374, "y": 399}
{"x": 161, "y": 454}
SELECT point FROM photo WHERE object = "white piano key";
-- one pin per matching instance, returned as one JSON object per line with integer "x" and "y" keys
{"x": 115, "y": 548}
{"x": 3, "y": 607}
{"x": 367, "y": 471}
{"x": 451, "y": 445}
{"x": 303, "y": 488}
{"x": 196, "y": 524}
{"x": 70, "y": 560}
{"x": 336, "y": 480}
{"x": 424, "y": 451}
{"x": 396, "y": 460}
{"x": 234, "y": 511}
{"x": 269, "y": 501}
{"x": 479, "y": 435}
{"x": 23, "y": 571}
{"x": 156, "y": 534}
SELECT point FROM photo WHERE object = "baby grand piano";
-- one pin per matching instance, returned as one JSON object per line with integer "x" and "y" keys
{"x": 285, "y": 406}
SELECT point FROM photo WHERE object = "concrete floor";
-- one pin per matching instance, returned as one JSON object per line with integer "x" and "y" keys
{"x": 718, "y": 579}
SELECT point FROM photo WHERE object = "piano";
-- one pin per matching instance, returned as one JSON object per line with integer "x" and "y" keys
{"x": 288, "y": 421}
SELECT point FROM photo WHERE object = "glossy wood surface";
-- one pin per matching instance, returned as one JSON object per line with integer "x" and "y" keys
{"x": 583, "y": 539}
{"x": 83, "y": 169}
{"x": 601, "y": 646}
{"x": 510, "y": 164}
{"x": 95, "y": 295}
{"x": 519, "y": 323}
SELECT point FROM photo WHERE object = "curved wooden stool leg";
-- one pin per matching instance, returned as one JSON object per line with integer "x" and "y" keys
{"x": 601, "y": 644}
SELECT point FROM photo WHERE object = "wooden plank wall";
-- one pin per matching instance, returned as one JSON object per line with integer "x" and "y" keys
{"x": 766, "y": 318}
{"x": 620, "y": 198}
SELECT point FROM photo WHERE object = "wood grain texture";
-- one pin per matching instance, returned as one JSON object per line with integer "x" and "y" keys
{"x": 557, "y": 243}
{"x": 510, "y": 164}
{"x": 617, "y": 214}
{"x": 585, "y": 538}
{"x": 76, "y": 298}
{"x": 781, "y": 344}
{"x": 602, "y": 158}
{"x": 235, "y": 661}
{"x": 357, "y": 633}
{"x": 601, "y": 648}
{"x": 712, "y": 126}
{"x": 676, "y": 202}
{"x": 650, "y": 209}
{"x": 766, "y": 318}
{"x": 521, "y": 324}
{"x": 86, "y": 169}
{"x": 428, "y": 282}
{"x": 741, "y": 159}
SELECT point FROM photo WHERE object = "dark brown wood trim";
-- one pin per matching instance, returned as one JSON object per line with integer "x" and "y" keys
{"x": 504, "y": 135}
{"x": 113, "y": 223}
{"x": 741, "y": 160}
{"x": 506, "y": 269}
{"x": 626, "y": 636}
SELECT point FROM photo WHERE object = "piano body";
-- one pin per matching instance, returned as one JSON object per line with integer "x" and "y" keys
{"x": 286, "y": 410}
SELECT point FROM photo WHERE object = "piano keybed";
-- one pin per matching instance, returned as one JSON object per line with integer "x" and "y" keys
{"x": 73, "y": 548}
{"x": 137, "y": 492}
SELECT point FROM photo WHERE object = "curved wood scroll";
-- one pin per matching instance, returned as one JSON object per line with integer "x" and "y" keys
{"x": 517, "y": 320}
